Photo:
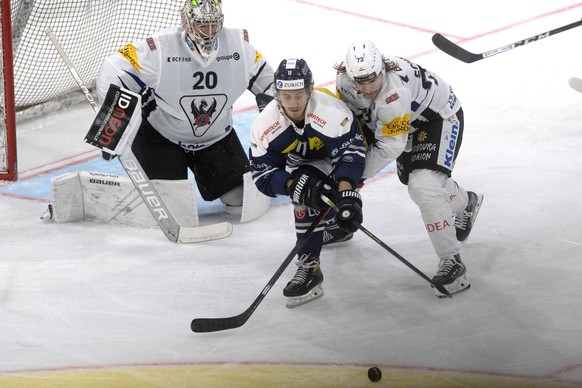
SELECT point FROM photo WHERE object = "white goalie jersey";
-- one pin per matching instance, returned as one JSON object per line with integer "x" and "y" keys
{"x": 186, "y": 97}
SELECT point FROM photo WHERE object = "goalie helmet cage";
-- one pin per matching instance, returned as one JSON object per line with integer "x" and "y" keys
{"x": 33, "y": 74}
{"x": 8, "y": 169}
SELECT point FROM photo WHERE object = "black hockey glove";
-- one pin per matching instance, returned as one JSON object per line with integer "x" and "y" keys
{"x": 307, "y": 190}
{"x": 263, "y": 100}
{"x": 349, "y": 216}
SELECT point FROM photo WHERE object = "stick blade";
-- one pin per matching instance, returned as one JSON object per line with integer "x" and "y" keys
{"x": 208, "y": 325}
{"x": 454, "y": 50}
{"x": 204, "y": 233}
{"x": 444, "y": 291}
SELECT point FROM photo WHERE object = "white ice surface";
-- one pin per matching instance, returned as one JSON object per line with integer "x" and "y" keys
{"x": 92, "y": 295}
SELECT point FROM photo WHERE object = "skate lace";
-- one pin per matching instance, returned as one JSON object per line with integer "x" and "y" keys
{"x": 462, "y": 220}
{"x": 446, "y": 266}
{"x": 303, "y": 270}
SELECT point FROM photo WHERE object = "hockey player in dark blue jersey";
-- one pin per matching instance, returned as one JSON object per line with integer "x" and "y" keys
{"x": 306, "y": 143}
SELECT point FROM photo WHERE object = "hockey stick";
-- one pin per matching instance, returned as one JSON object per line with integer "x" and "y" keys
{"x": 442, "y": 289}
{"x": 461, "y": 54}
{"x": 205, "y": 325}
{"x": 576, "y": 84}
{"x": 173, "y": 231}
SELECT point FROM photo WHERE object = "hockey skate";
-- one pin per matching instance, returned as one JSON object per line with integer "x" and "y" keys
{"x": 451, "y": 275}
{"x": 306, "y": 284}
{"x": 464, "y": 221}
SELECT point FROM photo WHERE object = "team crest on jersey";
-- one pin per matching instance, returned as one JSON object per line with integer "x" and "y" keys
{"x": 201, "y": 111}
{"x": 315, "y": 143}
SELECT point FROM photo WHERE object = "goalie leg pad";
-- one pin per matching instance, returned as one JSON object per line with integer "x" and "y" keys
{"x": 255, "y": 203}
{"x": 111, "y": 198}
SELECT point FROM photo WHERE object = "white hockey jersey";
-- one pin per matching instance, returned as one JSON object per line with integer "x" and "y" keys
{"x": 409, "y": 95}
{"x": 188, "y": 98}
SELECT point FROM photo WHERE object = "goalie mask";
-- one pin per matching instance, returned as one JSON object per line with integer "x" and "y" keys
{"x": 202, "y": 20}
{"x": 363, "y": 62}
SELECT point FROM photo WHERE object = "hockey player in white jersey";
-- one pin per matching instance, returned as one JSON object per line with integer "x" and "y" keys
{"x": 189, "y": 77}
{"x": 412, "y": 116}
{"x": 306, "y": 143}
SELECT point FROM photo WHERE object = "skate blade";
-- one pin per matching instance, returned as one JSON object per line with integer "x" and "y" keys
{"x": 460, "y": 284}
{"x": 315, "y": 293}
{"x": 476, "y": 213}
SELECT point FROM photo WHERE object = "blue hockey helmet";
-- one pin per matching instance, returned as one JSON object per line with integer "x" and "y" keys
{"x": 293, "y": 74}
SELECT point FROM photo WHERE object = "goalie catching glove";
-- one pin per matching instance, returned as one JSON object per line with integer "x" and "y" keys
{"x": 307, "y": 190}
{"x": 349, "y": 216}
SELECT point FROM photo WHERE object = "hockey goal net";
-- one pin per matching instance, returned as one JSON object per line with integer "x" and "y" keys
{"x": 89, "y": 30}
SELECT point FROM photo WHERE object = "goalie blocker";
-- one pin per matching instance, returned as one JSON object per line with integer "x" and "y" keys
{"x": 116, "y": 123}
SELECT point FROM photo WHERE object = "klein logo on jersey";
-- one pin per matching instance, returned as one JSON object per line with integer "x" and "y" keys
{"x": 398, "y": 126}
{"x": 202, "y": 111}
{"x": 450, "y": 141}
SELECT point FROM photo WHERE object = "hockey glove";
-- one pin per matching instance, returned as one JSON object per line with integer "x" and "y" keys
{"x": 349, "y": 216}
{"x": 307, "y": 190}
{"x": 263, "y": 100}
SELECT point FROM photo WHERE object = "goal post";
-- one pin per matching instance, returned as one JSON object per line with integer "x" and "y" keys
{"x": 33, "y": 79}
{"x": 8, "y": 170}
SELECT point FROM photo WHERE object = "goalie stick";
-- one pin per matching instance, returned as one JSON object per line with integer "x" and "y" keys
{"x": 206, "y": 325}
{"x": 461, "y": 54}
{"x": 441, "y": 289}
{"x": 173, "y": 231}
{"x": 576, "y": 84}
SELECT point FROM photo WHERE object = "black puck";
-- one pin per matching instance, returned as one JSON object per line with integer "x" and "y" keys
{"x": 374, "y": 374}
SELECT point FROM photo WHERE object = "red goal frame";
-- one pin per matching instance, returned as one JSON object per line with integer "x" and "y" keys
{"x": 10, "y": 172}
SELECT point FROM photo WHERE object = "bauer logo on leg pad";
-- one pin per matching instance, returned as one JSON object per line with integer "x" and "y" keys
{"x": 113, "y": 126}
